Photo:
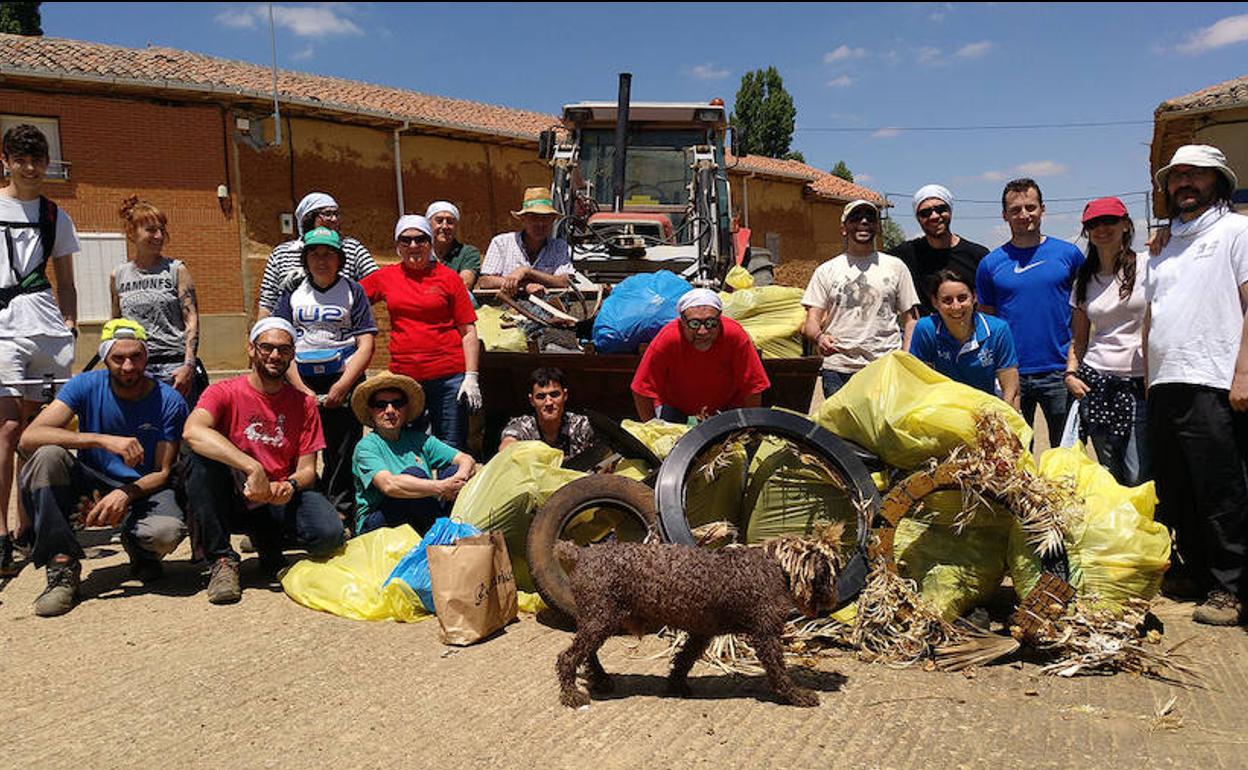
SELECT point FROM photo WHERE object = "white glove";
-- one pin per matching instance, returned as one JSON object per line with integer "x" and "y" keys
{"x": 470, "y": 392}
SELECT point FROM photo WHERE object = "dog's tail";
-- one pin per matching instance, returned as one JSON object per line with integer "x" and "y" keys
{"x": 568, "y": 553}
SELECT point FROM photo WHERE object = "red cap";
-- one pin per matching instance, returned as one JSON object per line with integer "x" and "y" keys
{"x": 1104, "y": 207}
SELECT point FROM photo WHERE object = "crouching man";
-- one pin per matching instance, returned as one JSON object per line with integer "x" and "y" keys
{"x": 129, "y": 428}
{"x": 252, "y": 467}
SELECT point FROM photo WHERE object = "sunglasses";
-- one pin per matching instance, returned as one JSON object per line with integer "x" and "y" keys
{"x": 1092, "y": 224}
{"x": 266, "y": 350}
{"x": 381, "y": 404}
{"x": 328, "y": 213}
{"x": 701, "y": 323}
{"x": 542, "y": 395}
{"x": 852, "y": 218}
{"x": 413, "y": 240}
{"x": 927, "y": 212}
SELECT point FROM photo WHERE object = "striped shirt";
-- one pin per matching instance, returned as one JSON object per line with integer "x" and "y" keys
{"x": 284, "y": 270}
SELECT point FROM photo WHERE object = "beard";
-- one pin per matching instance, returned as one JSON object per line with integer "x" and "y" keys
{"x": 1195, "y": 200}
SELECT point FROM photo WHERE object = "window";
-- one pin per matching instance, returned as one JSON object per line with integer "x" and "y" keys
{"x": 101, "y": 252}
{"x": 58, "y": 168}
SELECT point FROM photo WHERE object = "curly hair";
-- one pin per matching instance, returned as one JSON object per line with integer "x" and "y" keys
{"x": 138, "y": 213}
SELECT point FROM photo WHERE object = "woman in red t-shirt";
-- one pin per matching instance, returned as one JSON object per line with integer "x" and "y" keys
{"x": 433, "y": 332}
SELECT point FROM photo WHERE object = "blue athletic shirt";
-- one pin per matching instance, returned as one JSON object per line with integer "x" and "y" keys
{"x": 989, "y": 349}
{"x": 1030, "y": 289}
{"x": 156, "y": 417}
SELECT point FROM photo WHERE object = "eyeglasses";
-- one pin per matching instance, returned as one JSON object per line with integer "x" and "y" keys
{"x": 328, "y": 213}
{"x": 701, "y": 323}
{"x": 1092, "y": 224}
{"x": 927, "y": 212}
{"x": 267, "y": 349}
{"x": 412, "y": 240}
{"x": 542, "y": 395}
{"x": 382, "y": 404}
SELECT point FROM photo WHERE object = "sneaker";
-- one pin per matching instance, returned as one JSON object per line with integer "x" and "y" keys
{"x": 245, "y": 545}
{"x": 64, "y": 574}
{"x": 272, "y": 563}
{"x": 144, "y": 567}
{"x": 1218, "y": 609}
{"x": 8, "y": 567}
{"x": 223, "y": 585}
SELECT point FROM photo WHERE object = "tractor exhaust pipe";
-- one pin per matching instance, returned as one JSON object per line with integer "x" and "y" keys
{"x": 621, "y": 142}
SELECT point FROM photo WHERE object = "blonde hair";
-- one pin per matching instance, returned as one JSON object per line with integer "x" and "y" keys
{"x": 138, "y": 213}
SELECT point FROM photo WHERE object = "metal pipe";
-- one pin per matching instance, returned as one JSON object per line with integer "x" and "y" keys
{"x": 277, "y": 110}
{"x": 398, "y": 167}
{"x": 621, "y": 142}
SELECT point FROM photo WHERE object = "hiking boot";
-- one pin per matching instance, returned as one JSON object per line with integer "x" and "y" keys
{"x": 8, "y": 566}
{"x": 223, "y": 585}
{"x": 58, "y": 598}
{"x": 1218, "y": 609}
{"x": 144, "y": 566}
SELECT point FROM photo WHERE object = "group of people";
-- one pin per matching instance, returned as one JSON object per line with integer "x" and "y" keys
{"x": 1150, "y": 347}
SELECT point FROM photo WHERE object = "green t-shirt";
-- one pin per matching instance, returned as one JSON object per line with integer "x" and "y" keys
{"x": 374, "y": 454}
{"x": 463, "y": 257}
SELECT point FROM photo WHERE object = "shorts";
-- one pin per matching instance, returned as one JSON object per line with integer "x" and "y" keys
{"x": 31, "y": 358}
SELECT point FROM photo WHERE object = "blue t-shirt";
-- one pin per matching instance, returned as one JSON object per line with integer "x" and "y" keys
{"x": 156, "y": 417}
{"x": 1030, "y": 289}
{"x": 374, "y": 454}
{"x": 976, "y": 362}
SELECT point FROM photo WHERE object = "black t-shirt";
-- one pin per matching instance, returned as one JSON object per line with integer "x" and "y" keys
{"x": 924, "y": 261}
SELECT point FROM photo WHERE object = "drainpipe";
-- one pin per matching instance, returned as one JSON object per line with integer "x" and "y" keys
{"x": 398, "y": 166}
{"x": 745, "y": 197}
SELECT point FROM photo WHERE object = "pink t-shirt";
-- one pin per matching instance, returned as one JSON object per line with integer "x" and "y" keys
{"x": 276, "y": 430}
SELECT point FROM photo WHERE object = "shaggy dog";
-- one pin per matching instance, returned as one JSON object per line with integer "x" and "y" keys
{"x": 638, "y": 587}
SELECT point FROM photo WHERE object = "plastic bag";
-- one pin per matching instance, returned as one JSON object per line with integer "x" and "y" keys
{"x": 1070, "y": 433}
{"x": 636, "y": 309}
{"x": 907, "y": 413}
{"x": 1118, "y": 551}
{"x": 505, "y": 493}
{"x": 413, "y": 568}
{"x": 494, "y": 336}
{"x": 350, "y": 583}
{"x": 739, "y": 278}
{"x": 786, "y": 496}
{"x": 711, "y": 494}
{"x": 955, "y": 571}
{"x": 772, "y": 316}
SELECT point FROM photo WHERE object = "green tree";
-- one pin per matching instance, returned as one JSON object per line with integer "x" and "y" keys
{"x": 841, "y": 170}
{"x": 21, "y": 19}
{"x": 794, "y": 155}
{"x": 893, "y": 234}
{"x": 764, "y": 114}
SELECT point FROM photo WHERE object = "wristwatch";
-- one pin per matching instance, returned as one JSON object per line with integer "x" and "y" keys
{"x": 294, "y": 485}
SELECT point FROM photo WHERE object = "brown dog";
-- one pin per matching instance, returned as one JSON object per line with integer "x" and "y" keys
{"x": 738, "y": 590}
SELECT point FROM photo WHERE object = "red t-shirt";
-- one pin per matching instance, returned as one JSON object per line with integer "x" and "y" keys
{"x": 684, "y": 378}
{"x": 276, "y": 430}
{"x": 426, "y": 311}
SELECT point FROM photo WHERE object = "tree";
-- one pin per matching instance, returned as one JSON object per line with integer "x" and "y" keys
{"x": 764, "y": 114}
{"x": 893, "y": 234}
{"x": 841, "y": 170}
{"x": 21, "y": 19}
{"x": 794, "y": 155}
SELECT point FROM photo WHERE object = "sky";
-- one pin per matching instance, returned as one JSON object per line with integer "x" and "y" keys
{"x": 904, "y": 93}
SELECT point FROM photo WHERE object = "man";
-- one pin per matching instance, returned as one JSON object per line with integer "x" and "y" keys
{"x": 129, "y": 429}
{"x": 284, "y": 270}
{"x": 402, "y": 475}
{"x": 860, "y": 304}
{"x": 551, "y": 421}
{"x": 1197, "y": 358}
{"x": 699, "y": 364}
{"x": 37, "y": 327}
{"x": 939, "y": 248}
{"x": 530, "y": 260}
{"x": 1027, "y": 283}
{"x": 465, "y": 260}
{"x": 254, "y": 440}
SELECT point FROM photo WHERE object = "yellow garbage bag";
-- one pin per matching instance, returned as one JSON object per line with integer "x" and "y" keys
{"x": 907, "y": 413}
{"x": 772, "y": 316}
{"x": 494, "y": 336}
{"x": 787, "y": 496}
{"x": 955, "y": 571}
{"x": 739, "y": 278}
{"x": 348, "y": 584}
{"x": 506, "y": 492}
{"x": 713, "y": 491}
{"x": 1118, "y": 551}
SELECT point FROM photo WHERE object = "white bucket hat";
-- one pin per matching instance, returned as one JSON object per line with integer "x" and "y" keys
{"x": 1201, "y": 156}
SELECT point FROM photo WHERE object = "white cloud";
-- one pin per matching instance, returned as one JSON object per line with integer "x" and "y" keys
{"x": 940, "y": 12}
{"x": 929, "y": 55}
{"x": 305, "y": 21}
{"x": 992, "y": 176}
{"x": 844, "y": 81}
{"x": 843, "y": 53}
{"x": 863, "y": 178}
{"x": 975, "y": 50}
{"x": 892, "y": 57}
{"x": 305, "y": 54}
{"x": 885, "y": 133}
{"x": 1228, "y": 31}
{"x": 1040, "y": 168}
{"x": 708, "y": 71}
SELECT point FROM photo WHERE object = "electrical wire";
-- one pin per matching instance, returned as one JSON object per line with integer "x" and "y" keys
{"x": 1019, "y": 127}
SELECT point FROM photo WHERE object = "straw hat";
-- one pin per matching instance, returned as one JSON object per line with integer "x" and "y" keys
{"x": 537, "y": 200}
{"x": 387, "y": 381}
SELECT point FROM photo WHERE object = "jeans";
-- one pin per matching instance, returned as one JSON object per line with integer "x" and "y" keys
{"x": 446, "y": 417}
{"x": 342, "y": 432}
{"x": 307, "y": 520}
{"x": 1048, "y": 390}
{"x": 833, "y": 381}
{"x": 52, "y": 482}
{"x": 671, "y": 414}
{"x": 1128, "y": 461}
{"x": 418, "y": 512}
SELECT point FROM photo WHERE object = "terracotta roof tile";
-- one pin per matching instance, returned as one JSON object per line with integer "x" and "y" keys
{"x": 1227, "y": 94}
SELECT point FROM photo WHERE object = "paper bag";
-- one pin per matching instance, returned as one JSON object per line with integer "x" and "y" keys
{"x": 474, "y": 589}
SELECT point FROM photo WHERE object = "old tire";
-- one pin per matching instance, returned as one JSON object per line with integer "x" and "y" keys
{"x": 761, "y": 265}
{"x": 632, "y": 498}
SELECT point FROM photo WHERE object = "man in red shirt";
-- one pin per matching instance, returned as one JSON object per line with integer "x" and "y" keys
{"x": 254, "y": 440}
{"x": 699, "y": 364}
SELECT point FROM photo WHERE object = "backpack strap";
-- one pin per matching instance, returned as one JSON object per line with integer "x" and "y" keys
{"x": 48, "y": 214}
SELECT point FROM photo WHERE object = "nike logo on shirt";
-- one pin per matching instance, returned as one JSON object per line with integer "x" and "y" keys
{"x": 1018, "y": 269}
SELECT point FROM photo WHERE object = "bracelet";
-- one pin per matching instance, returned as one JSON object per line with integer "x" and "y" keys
{"x": 294, "y": 485}
{"x": 1070, "y": 374}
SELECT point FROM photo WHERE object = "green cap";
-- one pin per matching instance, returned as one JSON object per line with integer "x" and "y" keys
{"x": 322, "y": 236}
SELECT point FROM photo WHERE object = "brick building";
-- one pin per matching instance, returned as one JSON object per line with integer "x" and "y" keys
{"x": 1215, "y": 115}
{"x": 194, "y": 134}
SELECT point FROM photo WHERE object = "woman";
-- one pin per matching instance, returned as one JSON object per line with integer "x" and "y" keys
{"x": 334, "y": 341}
{"x": 433, "y": 336}
{"x": 158, "y": 293}
{"x": 964, "y": 344}
{"x": 1105, "y": 366}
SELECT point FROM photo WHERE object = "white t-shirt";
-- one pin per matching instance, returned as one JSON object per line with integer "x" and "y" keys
{"x": 1193, "y": 293}
{"x": 863, "y": 297}
{"x": 38, "y": 313}
{"x": 1114, "y": 345}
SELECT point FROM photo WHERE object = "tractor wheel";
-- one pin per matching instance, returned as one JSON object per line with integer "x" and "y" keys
{"x": 762, "y": 266}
